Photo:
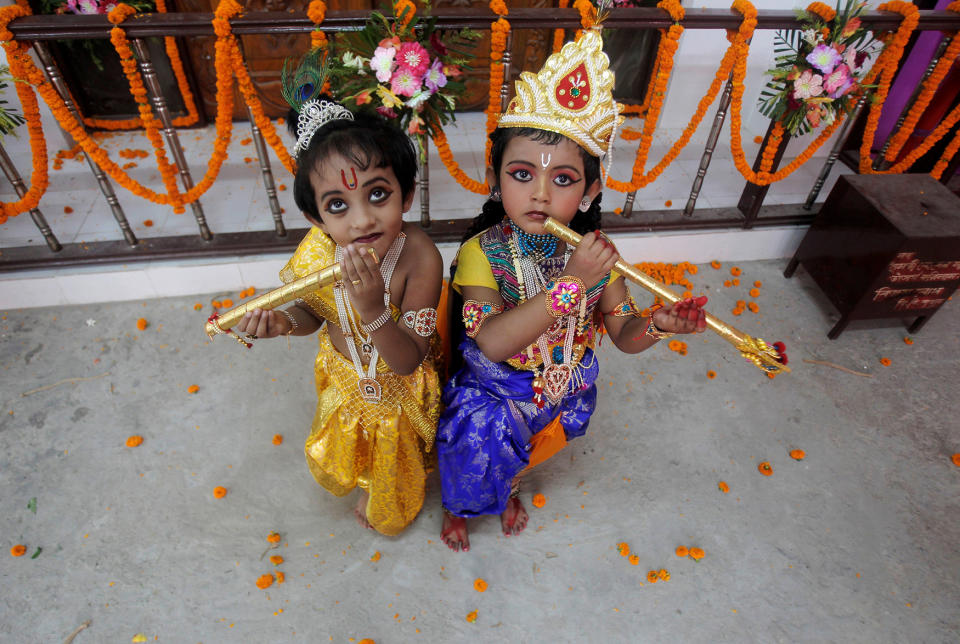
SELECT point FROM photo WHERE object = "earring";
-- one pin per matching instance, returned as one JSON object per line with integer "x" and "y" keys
{"x": 585, "y": 204}
{"x": 495, "y": 195}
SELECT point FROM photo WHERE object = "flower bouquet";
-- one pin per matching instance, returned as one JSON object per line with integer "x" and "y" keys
{"x": 818, "y": 69}
{"x": 404, "y": 69}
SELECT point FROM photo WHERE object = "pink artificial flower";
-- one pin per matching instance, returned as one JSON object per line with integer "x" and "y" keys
{"x": 813, "y": 115}
{"x": 405, "y": 82}
{"x": 415, "y": 126}
{"x": 382, "y": 63}
{"x": 838, "y": 81}
{"x": 850, "y": 58}
{"x": 82, "y": 7}
{"x": 452, "y": 71}
{"x": 413, "y": 56}
{"x": 106, "y": 7}
{"x": 808, "y": 85}
{"x": 393, "y": 42}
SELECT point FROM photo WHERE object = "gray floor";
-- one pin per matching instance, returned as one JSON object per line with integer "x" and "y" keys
{"x": 856, "y": 543}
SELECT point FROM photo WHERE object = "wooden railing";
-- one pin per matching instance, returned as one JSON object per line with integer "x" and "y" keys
{"x": 40, "y": 29}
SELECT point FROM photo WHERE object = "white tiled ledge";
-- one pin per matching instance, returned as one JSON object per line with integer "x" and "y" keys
{"x": 171, "y": 278}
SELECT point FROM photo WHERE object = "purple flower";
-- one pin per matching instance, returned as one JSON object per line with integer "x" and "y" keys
{"x": 434, "y": 79}
{"x": 824, "y": 58}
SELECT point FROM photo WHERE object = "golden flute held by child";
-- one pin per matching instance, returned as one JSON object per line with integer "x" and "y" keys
{"x": 763, "y": 355}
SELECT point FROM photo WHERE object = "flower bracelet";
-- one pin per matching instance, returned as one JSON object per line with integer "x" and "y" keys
{"x": 565, "y": 296}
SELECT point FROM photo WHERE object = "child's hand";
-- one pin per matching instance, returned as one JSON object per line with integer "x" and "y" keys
{"x": 685, "y": 316}
{"x": 592, "y": 260}
{"x": 361, "y": 275}
{"x": 263, "y": 324}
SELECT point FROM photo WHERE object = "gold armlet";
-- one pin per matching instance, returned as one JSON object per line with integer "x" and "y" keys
{"x": 475, "y": 314}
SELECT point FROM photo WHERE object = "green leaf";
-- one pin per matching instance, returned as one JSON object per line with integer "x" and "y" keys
{"x": 37, "y": 553}
{"x": 32, "y": 505}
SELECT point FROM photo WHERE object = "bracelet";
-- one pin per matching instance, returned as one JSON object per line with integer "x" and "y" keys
{"x": 475, "y": 313}
{"x": 382, "y": 319}
{"x": 292, "y": 320}
{"x": 565, "y": 295}
{"x": 626, "y": 308}
{"x": 654, "y": 332}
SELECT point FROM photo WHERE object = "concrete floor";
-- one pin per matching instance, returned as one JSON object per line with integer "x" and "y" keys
{"x": 856, "y": 543}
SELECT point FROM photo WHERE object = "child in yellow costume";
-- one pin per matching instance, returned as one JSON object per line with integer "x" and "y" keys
{"x": 377, "y": 385}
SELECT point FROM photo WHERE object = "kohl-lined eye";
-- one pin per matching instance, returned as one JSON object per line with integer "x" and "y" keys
{"x": 379, "y": 195}
{"x": 565, "y": 180}
{"x": 520, "y": 174}
{"x": 336, "y": 206}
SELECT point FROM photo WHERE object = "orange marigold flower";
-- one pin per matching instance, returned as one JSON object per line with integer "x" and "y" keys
{"x": 265, "y": 581}
{"x": 215, "y": 304}
{"x": 758, "y": 139}
{"x": 727, "y": 283}
{"x": 956, "y": 459}
{"x": 711, "y": 374}
{"x": 471, "y": 616}
{"x": 652, "y": 577}
{"x": 624, "y": 548}
{"x": 682, "y": 551}
{"x": 696, "y": 553}
{"x": 715, "y": 264}
{"x": 219, "y": 492}
{"x": 885, "y": 362}
{"x": 192, "y": 389}
{"x": 281, "y": 577}
{"x": 668, "y": 203}
{"x": 663, "y": 574}
{"x": 18, "y": 550}
{"x": 754, "y": 292}
{"x": 908, "y": 340}
{"x": 765, "y": 468}
{"x": 617, "y": 210}
{"x": 277, "y": 439}
{"x": 735, "y": 271}
{"x": 246, "y": 141}
{"x": 67, "y": 210}
{"x": 736, "y": 282}
{"x": 375, "y": 556}
{"x": 539, "y": 500}
{"x": 276, "y": 560}
{"x": 479, "y": 585}
{"x": 674, "y": 345}
{"x": 797, "y": 454}
{"x": 723, "y": 487}
{"x": 273, "y": 537}
{"x": 634, "y": 560}
{"x": 247, "y": 159}
{"x": 758, "y": 283}
{"x": 148, "y": 223}
{"x": 282, "y": 187}
{"x": 227, "y": 303}
{"x": 754, "y": 307}
{"x": 737, "y": 311}
{"x": 133, "y": 441}
{"x": 197, "y": 306}
{"x": 281, "y": 121}
{"x": 142, "y": 323}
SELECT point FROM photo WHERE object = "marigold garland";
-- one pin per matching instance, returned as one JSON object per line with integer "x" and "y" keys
{"x": 558, "y": 34}
{"x": 317, "y": 11}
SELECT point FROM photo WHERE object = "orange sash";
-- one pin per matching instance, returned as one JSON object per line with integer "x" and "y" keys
{"x": 547, "y": 442}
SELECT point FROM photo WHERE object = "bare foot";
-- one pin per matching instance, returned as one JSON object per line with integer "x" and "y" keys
{"x": 454, "y": 532}
{"x": 514, "y": 518}
{"x": 360, "y": 511}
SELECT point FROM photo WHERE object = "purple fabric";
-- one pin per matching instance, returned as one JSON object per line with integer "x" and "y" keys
{"x": 483, "y": 437}
{"x": 911, "y": 71}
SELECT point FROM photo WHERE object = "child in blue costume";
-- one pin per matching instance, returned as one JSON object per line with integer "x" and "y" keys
{"x": 531, "y": 305}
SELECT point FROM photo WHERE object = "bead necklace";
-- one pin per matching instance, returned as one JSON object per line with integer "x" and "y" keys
{"x": 370, "y": 389}
{"x": 540, "y": 246}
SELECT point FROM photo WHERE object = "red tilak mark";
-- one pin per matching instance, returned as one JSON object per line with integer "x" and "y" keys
{"x": 348, "y": 184}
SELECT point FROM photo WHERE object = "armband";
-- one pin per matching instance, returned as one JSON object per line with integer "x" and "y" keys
{"x": 626, "y": 308}
{"x": 475, "y": 313}
{"x": 423, "y": 322}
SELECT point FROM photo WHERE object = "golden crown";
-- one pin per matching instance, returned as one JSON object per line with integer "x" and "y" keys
{"x": 572, "y": 95}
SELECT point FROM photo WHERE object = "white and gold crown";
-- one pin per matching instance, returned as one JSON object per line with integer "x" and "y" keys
{"x": 572, "y": 95}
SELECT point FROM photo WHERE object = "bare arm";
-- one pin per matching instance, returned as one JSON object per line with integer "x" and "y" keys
{"x": 400, "y": 346}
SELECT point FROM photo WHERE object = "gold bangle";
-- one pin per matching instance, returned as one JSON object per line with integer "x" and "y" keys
{"x": 654, "y": 332}
{"x": 626, "y": 308}
{"x": 292, "y": 320}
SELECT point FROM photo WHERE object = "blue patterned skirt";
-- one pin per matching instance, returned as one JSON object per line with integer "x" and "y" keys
{"x": 483, "y": 437}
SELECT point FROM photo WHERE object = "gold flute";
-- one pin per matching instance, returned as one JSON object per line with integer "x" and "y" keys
{"x": 223, "y": 322}
{"x": 756, "y": 350}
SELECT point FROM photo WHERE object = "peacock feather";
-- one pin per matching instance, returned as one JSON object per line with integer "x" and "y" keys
{"x": 306, "y": 82}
